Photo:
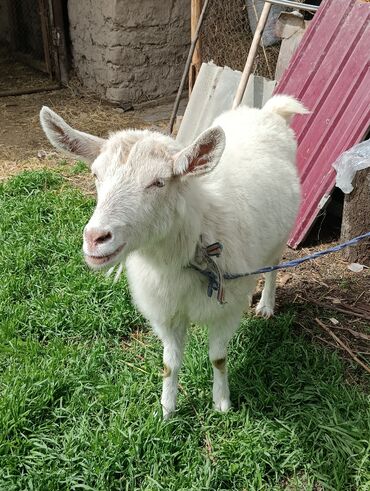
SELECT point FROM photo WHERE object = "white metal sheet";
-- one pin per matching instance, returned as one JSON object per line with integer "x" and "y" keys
{"x": 213, "y": 94}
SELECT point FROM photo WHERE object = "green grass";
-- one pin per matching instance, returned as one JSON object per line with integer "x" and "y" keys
{"x": 46, "y": 289}
{"x": 79, "y": 405}
{"x": 80, "y": 168}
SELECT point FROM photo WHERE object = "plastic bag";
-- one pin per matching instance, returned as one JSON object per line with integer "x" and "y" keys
{"x": 351, "y": 161}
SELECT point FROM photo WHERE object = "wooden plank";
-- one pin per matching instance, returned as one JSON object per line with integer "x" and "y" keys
{"x": 46, "y": 37}
{"x": 35, "y": 90}
{"x": 60, "y": 49}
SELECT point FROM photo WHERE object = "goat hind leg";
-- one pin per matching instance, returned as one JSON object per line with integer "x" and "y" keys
{"x": 266, "y": 305}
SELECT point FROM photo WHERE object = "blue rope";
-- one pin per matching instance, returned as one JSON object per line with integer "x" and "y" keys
{"x": 296, "y": 262}
{"x": 215, "y": 282}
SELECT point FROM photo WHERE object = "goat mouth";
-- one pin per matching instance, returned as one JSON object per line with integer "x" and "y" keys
{"x": 103, "y": 260}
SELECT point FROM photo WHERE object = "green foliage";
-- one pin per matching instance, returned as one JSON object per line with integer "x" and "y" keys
{"x": 80, "y": 410}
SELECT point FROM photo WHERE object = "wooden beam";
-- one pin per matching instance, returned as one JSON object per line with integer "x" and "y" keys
{"x": 60, "y": 50}
{"x": 35, "y": 90}
{"x": 46, "y": 38}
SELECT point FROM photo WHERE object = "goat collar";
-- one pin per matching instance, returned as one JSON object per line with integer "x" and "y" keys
{"x": 208, "y": 267}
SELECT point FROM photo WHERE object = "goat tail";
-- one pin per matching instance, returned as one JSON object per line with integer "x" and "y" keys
{"x": 286, "y": 106}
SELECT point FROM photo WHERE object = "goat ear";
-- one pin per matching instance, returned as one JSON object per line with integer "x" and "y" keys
{"x": 203, "y": 155}
{"x": 65, "y": 138}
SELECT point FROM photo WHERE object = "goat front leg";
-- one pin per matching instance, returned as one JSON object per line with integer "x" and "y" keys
{"x": 219, "y": 337}
{"x": 173, "y": 339}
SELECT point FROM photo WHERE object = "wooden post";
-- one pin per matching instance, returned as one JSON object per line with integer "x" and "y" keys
{"x": 356, "y": 218}
{"x": 251, "y": 54}
{"x": 60, "y": 43}
{"x": 46, "y": 35}
{"x": 185, "y": 74}
{"x": 196, "y": 8}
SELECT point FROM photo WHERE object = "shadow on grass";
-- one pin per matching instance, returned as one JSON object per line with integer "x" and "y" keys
{"x": 300, "y": 389}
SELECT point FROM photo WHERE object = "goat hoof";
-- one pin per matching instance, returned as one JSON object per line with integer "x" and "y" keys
{"x": 167, "y": 414}
{"x": 223, "y": 405}
{"x": 264, "y": 311}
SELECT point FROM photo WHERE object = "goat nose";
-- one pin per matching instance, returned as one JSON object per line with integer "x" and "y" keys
{"x": 96, "y": 236}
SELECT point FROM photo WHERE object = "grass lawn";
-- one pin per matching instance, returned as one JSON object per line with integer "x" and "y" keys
{"x": 80, "y": 380}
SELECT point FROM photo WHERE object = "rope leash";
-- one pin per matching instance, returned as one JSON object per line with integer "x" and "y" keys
{"x": 216, "y": 278}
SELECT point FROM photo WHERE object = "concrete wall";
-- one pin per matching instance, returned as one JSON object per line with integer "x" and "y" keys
{"x": 130, "y": 51}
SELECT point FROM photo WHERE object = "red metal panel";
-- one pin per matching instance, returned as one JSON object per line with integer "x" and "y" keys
{"x": 330, "y": 74}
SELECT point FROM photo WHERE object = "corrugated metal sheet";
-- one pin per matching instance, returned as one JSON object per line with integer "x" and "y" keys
{"x": 330, "y": 74}
{"x": 213, "y": 93}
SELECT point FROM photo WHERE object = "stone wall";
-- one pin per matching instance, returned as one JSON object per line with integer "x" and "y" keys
{"x": 130, "y": 51}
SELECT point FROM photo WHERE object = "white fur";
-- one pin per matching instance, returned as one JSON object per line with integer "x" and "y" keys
{"x": 244, "y": 193}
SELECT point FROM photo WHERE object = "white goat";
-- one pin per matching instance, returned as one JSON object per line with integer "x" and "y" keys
{"x": 236, "y": 184}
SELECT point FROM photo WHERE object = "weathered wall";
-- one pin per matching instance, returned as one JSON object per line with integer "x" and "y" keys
{"x": 130, "y": 51}
{"x": 91, "y": 31}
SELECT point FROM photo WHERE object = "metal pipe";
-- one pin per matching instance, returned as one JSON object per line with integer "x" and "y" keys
{"x": 186, "y": 69}
{"x": 296, "y": 5}
{"x": 251, "y": 54}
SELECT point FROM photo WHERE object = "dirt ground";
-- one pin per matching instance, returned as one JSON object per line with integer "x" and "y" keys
{"x": 324, "y": 289}
{"x": 23, "y": 144}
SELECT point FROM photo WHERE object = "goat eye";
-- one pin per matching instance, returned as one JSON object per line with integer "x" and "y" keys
{"x": 158, "y": 183}
{"x": 95, "y": 176}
